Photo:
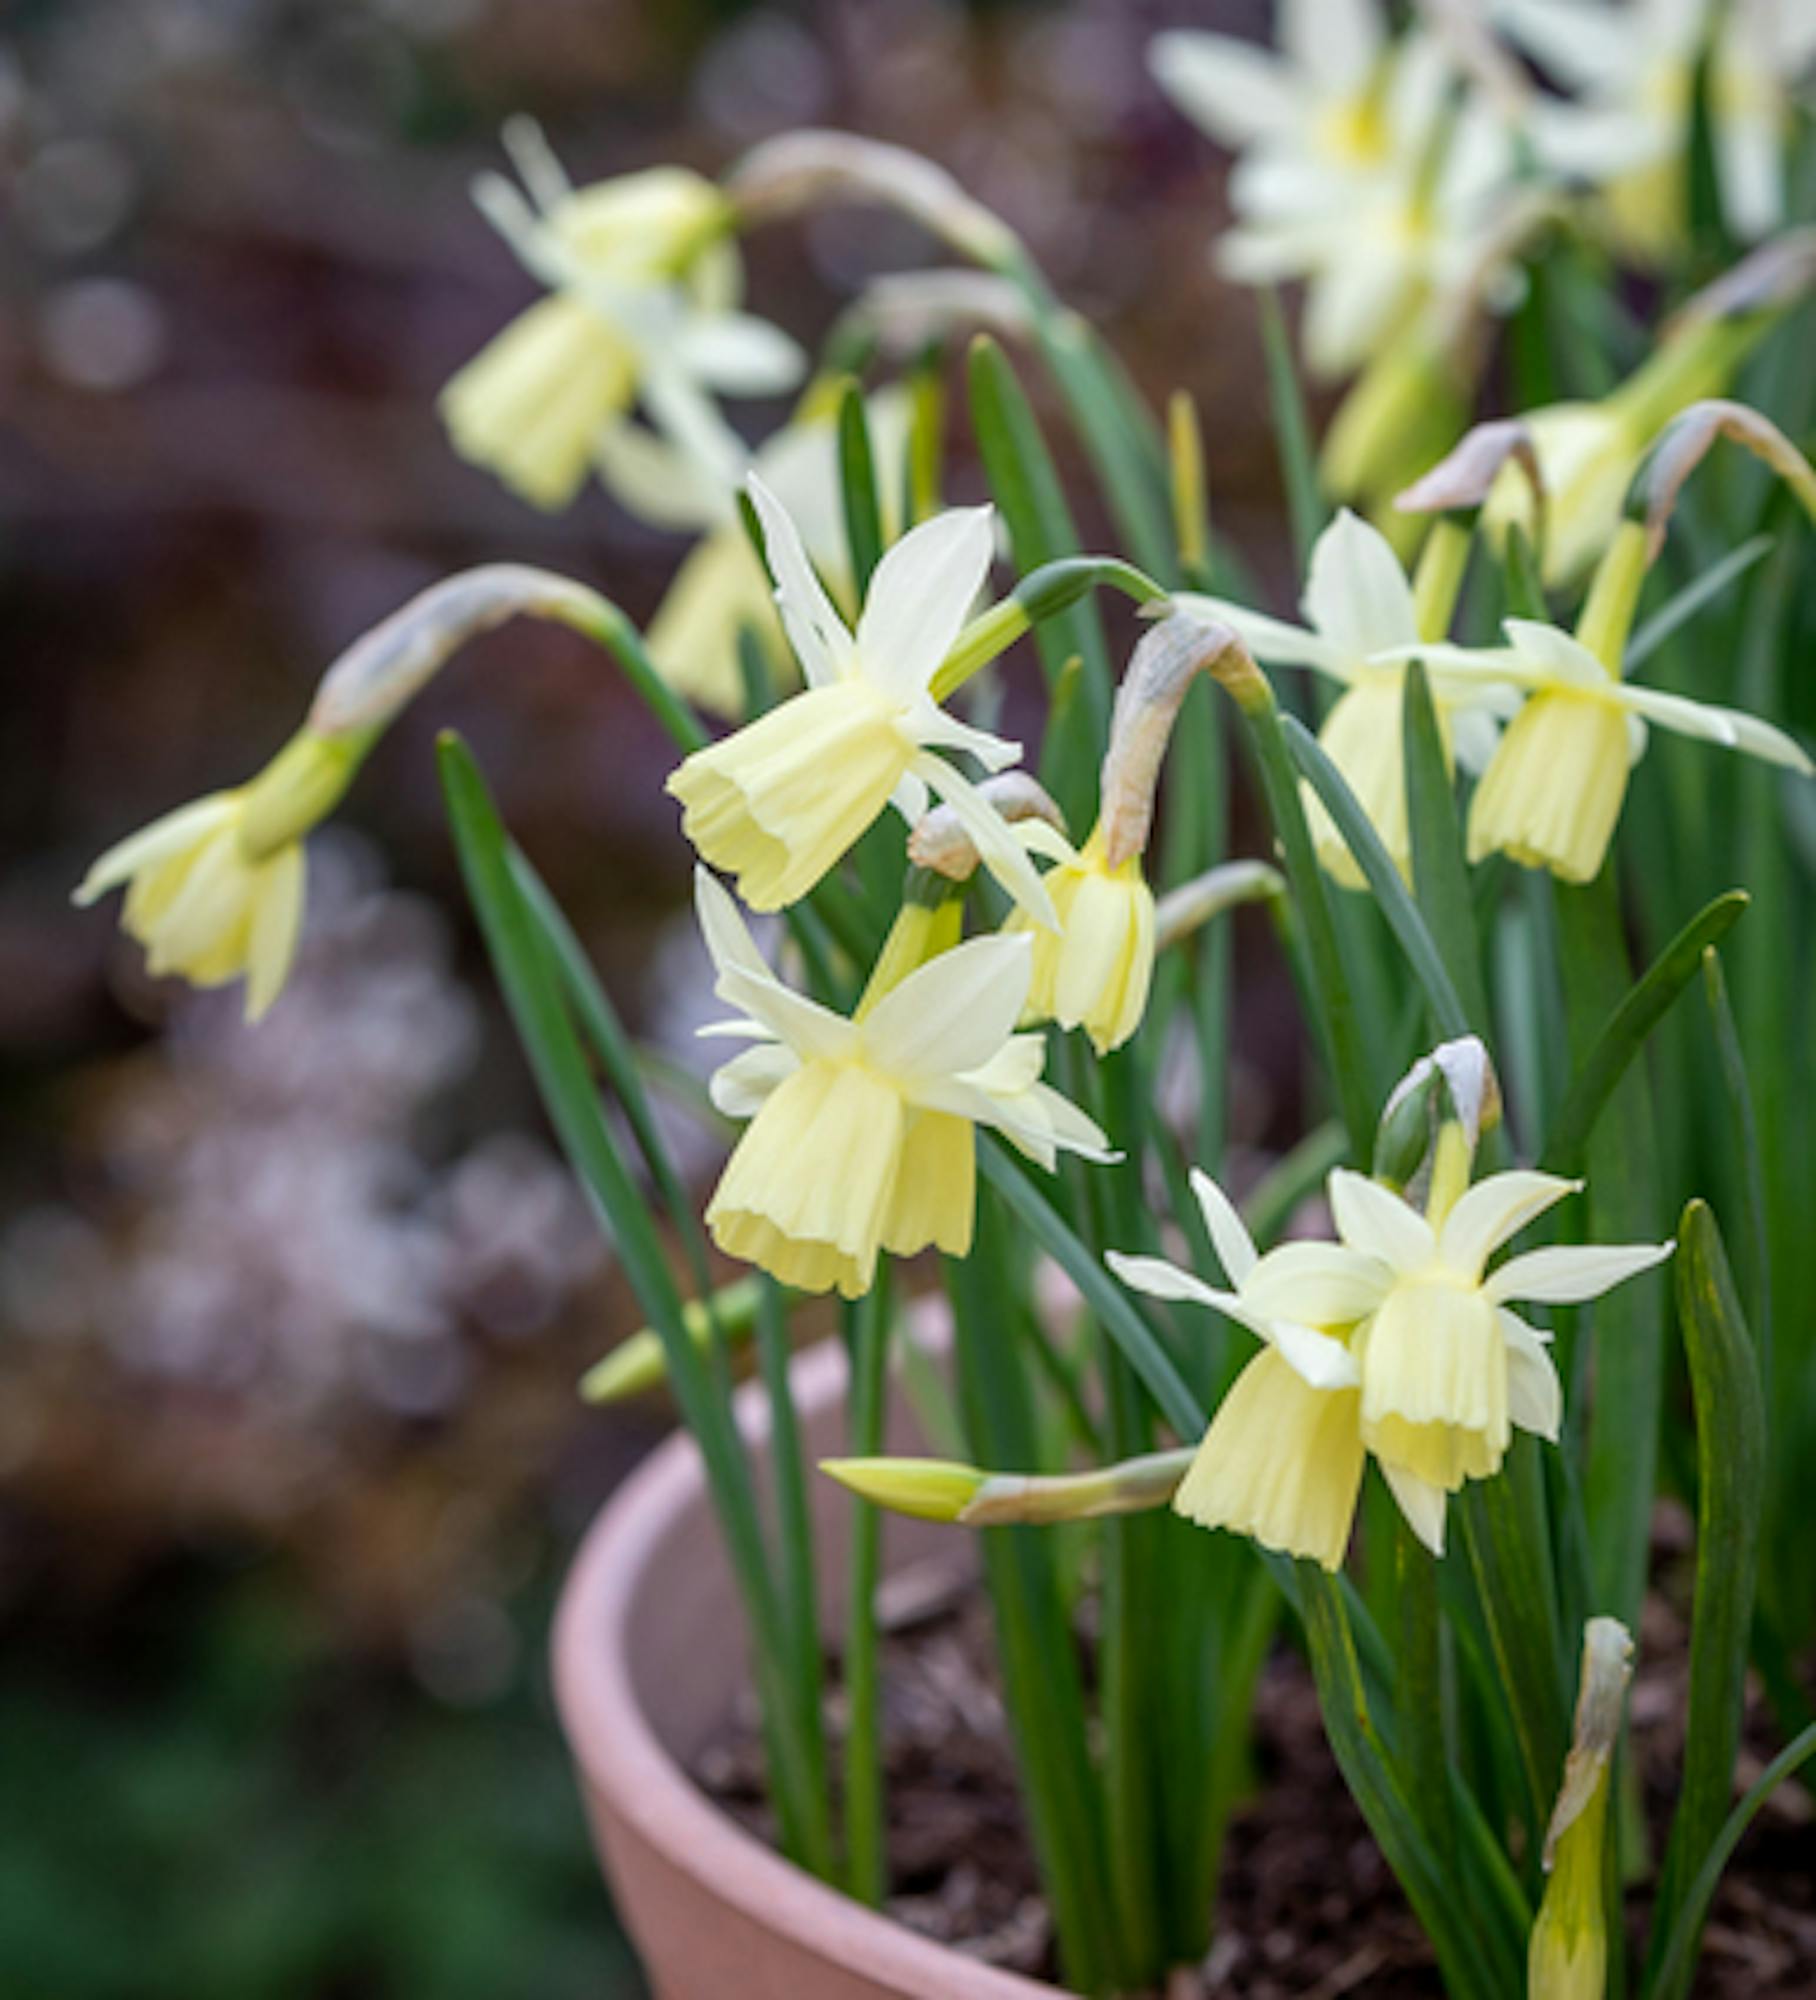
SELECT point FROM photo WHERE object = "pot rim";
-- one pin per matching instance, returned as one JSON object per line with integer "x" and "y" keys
{"x": 621, "y": 1758}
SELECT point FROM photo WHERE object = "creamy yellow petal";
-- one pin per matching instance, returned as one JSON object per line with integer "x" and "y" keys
{"x": 277, "y": 921}
{"x": 1433, "y": 1354}
{"x": 1282, "y": 1462}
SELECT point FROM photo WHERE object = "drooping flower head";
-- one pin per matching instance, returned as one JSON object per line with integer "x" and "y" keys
{"x": 215, "y": 889}
{"x": 780, "y": 801}
{"x": 643, "y": 283}
{"x": 862, "y": 1131}
{"x": 1362, "y": 626}
{"x": 1553, "y": 791}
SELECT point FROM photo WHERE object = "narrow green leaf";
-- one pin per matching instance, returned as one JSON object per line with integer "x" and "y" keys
{"x": 862, "y": 505}
{"x": 1739, "y": 1095}
{"x": 528, "y": 972}
{"x": 867, "y": 1323}
{"x": 1027, "y": 487}
{"x": 1731, "y": 1471}
{"x": 1672, "y": 1980}
{"x": 1396, "y": 905}
{"x": 1627, "y": 1028}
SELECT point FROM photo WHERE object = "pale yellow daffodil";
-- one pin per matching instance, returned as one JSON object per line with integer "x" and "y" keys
{"x": 1553, "y": 791}
{"x": 215, "y": 889}
{"x": 643, "y": 281}
{"x": 1363, "y": 625}
{"x": 862, "y": 1131}
{"x": 780, "y": 801}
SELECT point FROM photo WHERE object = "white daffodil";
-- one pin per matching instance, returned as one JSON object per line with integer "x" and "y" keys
{"x": 1447, "y": 1367}
{"x": 215, "y": 889}
{"x": 1553, "y": 790}
{"x": 861, "y": 1135}
{"x": 1094, "y": 971}
{"x": 778, "y": 802}
{"x": 720, "y": 587}
{"x": 1282, "y": 1459}
{"x": 1356, "y": 175}
{"x": 643, "y": 282}
{"x": 1633, "y": 64}
{"x": 1363, "y": 628}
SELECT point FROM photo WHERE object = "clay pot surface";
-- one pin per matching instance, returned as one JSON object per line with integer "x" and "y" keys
{"x": 649, "y": 1656}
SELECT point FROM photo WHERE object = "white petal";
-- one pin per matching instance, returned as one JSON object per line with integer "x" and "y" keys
{"x": 744, "y": 981}
{"x": 1487, "y": 1214}
{"x": 1229, "y": 1234}
{"x": 1314, "y": 1357}
{"x": 1350, "y": 303}
{"x": 993, "y": 837}
{"x": 1419, "y": 1501}
{"x": 1336, "y": 41}
{"x": 740, "y": 355}
{"x": 1730, "y": 727}
{"x": 1234, "y": 91}
{"x": 1162, "y": 1280}
{"x": 1356, "y": 593}
{"x": 929, "y": 724}
{"x": 920, "y": 597}
{"x": 1269, "y": 639}
{"x": 1379, "y": 1224}
{"x": 656, "y": 480}
{"x": 1535, "y": 1397}
{"x": 910, "y": 798}
{"x": 1750, "y": 168}
{"x": 1319, "y": 1284}
{"x": 815, "y": 629}
{"x": 741, "y": 1087}
{"x": 1567, "y": 1274}
{"x": 955, "y": 1012}
{"x": 169, "y": 835}
{"x": 1589, "y": 47}
{"x": 1562, "y": 657}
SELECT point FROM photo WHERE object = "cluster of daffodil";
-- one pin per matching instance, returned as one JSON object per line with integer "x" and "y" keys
{"x": 965, "y": 978}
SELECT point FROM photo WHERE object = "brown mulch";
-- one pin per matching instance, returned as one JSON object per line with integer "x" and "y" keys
{"x": 1307, "y": 1910}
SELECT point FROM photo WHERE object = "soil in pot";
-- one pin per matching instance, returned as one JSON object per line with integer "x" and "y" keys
{"x": 1307, "y": 1907}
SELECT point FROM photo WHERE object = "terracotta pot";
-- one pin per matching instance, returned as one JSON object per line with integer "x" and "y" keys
{"x": 649, "y": 1657}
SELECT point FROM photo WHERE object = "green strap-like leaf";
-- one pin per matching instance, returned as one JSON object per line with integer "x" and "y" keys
{"x": 1635, "y": 1018}
{"x": 1439, "y": 872}
{"x": 858, "y": 491}
{"x": 1730, "y": 1469}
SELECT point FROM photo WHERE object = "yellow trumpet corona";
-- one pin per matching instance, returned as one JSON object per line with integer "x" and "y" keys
{"x": 1095, "y": 970}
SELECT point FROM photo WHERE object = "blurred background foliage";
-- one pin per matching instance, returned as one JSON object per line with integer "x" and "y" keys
{"x": 290, "y": 1458}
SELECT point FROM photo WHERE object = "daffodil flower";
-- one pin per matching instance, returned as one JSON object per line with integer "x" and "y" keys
{"x": 1553, "y": 790}
{"x": 1355, "y": 176}
{"x": 1282, "y": 1459}
{"x": 861, "y": 1133}
{"x": 1634, "y": 66}
{"x": 1447, "y": 1367}
{"x": 215, "y": 889}
{"x": 778, "y": 803}
{"x": 643, "y": 284}
{"x": 720, "y": 587}
{"x": 1363, "y": 627}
